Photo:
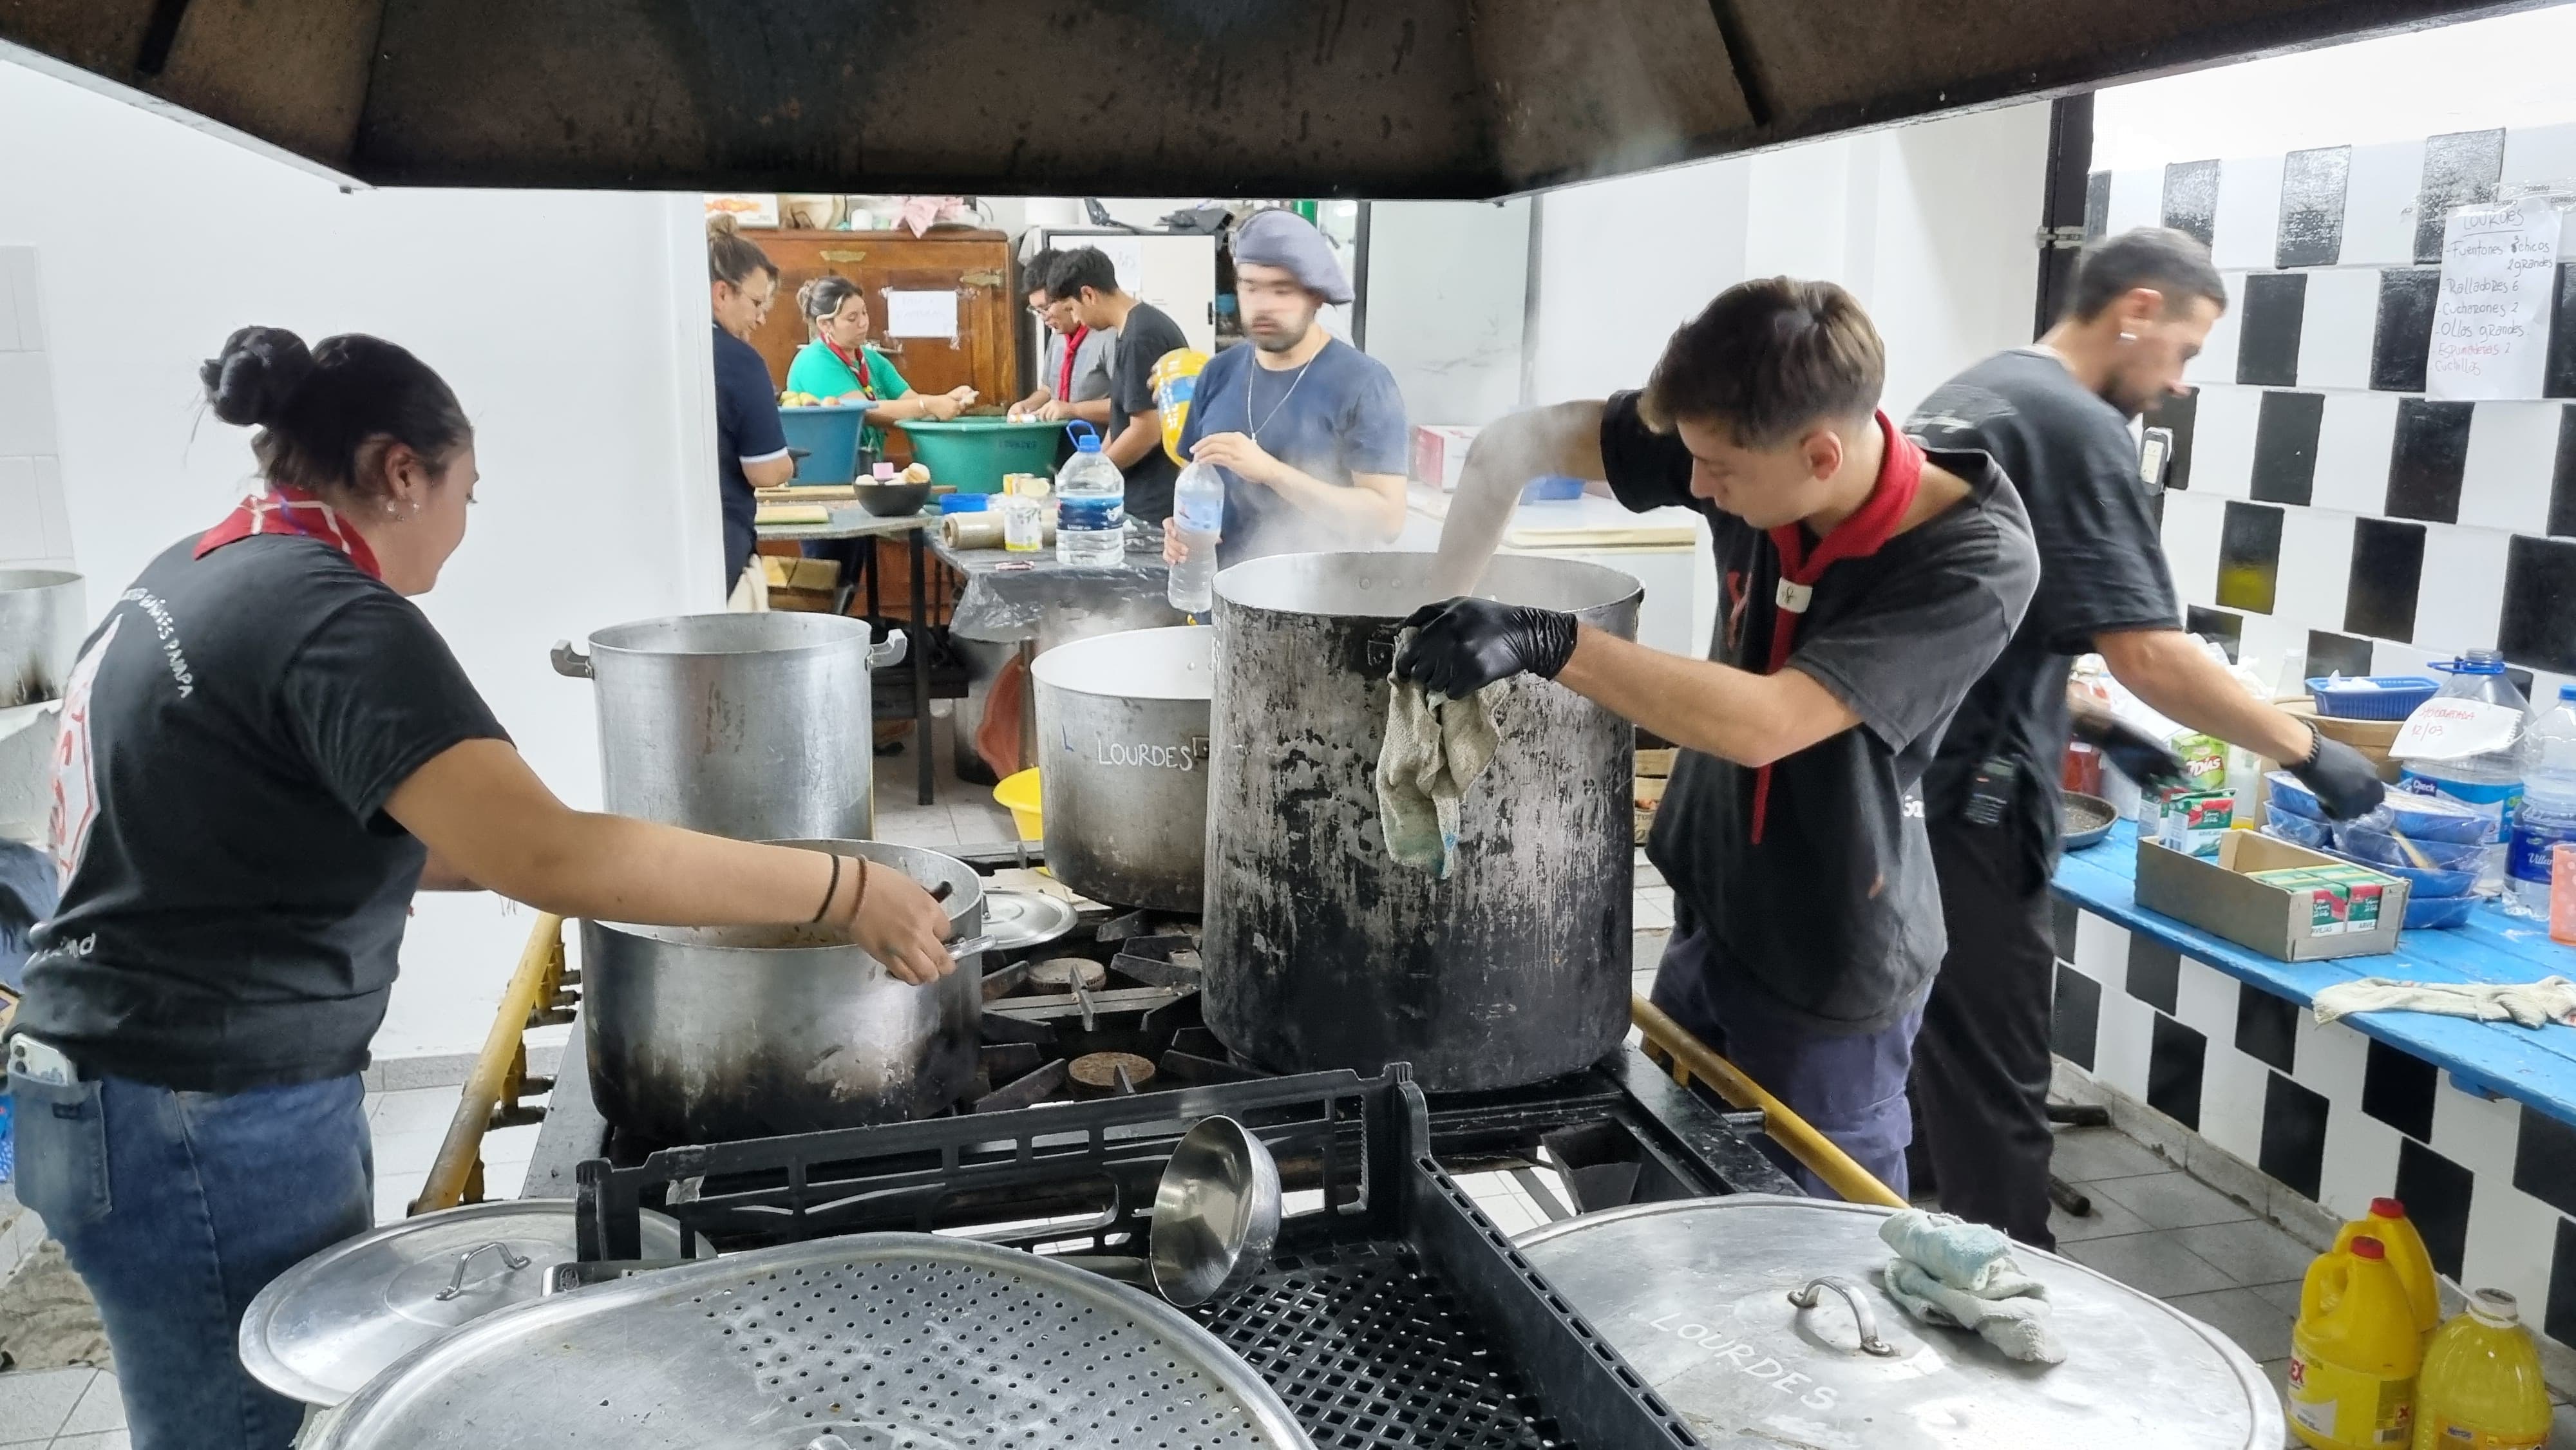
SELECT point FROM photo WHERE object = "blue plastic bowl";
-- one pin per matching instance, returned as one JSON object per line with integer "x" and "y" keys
{"x": 1552, "y": 488}
{"x": 2379, "y": 848}
{"x": 2294, "y": 828}
{"x": 2424, "y": 818}
{"x": 2434, "y": 913}
{"x": 830, "y": 437}
{"x": 2291, "y": 796}
{"x": 2371, "y": 697}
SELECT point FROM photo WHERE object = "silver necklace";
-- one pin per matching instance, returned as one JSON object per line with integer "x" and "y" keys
{"x": 1257, "y": 370}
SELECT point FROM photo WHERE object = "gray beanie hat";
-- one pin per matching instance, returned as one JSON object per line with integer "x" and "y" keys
{"x": 1278, "y": 238}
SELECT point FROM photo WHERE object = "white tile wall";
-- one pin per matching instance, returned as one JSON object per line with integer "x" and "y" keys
{"x": 2335, "y": 328}
{"x": 2379, "y": 205}
{"x": 2316, "y": 547}
{"x": 2222, "y": 441}
{"x": 2478, "y": 1133}
{"x": 2249, "y": 214}
{"x": 2353, "y": 440}
{"x": 2510, "y": 1243}
{"x": 2137, "y": 200}
{"x": 2512, "y": 449}
{"x": 2194, "y": 522}
{"x": 2205, "y": 1001}
{"x": 2361, "y": 1157}
{"x": 2462, "y": 594}
{"x": 2217, "y": 360}
{"x": 35, "y": 528}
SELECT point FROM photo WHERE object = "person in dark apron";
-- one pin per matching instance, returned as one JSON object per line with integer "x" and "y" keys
{"x": 1867, "y": 582}
{"x": 265, "y": 750}
{"x": 2056, "y": 416}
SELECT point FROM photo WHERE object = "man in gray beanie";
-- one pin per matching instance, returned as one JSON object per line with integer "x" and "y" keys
{"x": 1308, "y": 430}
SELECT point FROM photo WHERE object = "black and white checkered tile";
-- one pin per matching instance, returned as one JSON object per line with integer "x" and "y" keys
{"x": 2329, "y": 1113}
{"x": 2316, "y": 500}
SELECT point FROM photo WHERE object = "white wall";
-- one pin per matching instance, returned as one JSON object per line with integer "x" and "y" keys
{"x": 569, "y": 323}
{"x": 1447, "y": 292}
{"x": 1930, "y": 225}
{"x": 35, "y": 532}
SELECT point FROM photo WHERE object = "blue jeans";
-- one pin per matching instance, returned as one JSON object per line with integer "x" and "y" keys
{"x": 1848, "y": 1086}
{"x": 176, "y": 1208}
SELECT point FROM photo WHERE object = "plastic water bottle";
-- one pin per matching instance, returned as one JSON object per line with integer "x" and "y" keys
{"x": 2548, "y": 814}
{"x": 1091, "y": 505}
{"x": 2491, "y": 783}
{"x": 1198, "y": 517}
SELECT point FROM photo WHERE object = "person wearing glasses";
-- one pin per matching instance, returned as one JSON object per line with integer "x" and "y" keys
{"x": 1073, "y": 364}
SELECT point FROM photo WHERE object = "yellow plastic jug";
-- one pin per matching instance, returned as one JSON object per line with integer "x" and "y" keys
{"x": 2388, "y": 1223}
{"x": 2354, "y": 1353}
{"x": 2481, "y": 1387}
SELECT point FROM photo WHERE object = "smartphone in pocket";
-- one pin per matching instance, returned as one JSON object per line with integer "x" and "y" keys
{"x": 38, "y": 1062}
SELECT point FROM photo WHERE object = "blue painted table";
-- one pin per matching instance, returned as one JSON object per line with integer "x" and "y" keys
{"x": 2530, "y": 1065}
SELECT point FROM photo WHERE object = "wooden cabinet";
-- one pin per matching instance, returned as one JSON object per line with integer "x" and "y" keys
{"x": 975, "y": 265}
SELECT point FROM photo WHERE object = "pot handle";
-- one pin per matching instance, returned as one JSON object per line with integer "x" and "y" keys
{"x": 1862, "y": 1319}
{"x": 888, "y": 652}
{"x": 570, "y": 661}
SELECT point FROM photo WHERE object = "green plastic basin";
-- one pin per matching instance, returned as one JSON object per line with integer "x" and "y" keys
{"x": 972, "y": 454}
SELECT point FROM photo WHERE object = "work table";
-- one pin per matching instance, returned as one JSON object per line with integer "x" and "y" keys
{"x": 2535, "y": 1066}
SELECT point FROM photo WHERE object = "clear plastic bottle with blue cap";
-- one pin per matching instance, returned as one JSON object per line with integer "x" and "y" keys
{"x": 2547, "y": 818}
{"x": 1091, "y": 505}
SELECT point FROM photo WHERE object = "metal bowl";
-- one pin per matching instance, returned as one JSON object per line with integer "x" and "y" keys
{"x": 1216, "y": 1213}
{"x": 2085, "y": 820}
{"x": 892, "y": 500}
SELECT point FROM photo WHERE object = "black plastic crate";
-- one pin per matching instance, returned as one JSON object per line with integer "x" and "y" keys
{"x": 1394, "y": 1314}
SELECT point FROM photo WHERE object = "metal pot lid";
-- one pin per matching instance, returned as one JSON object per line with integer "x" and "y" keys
{"x": 866, "y": 1342}
{"x": 1696, "y": 1295}
{"x": 1016, "y": 919}
{"x": 321, "y": 1330}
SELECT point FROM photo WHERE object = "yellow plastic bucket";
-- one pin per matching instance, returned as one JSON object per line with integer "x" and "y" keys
{"x": 1019, "y": 795}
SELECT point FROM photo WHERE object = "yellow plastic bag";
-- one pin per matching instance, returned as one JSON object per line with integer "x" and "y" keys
{"x": 1175, "y": 381}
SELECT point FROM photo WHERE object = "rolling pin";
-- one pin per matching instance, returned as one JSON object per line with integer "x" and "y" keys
{"x": 982, "y": 531}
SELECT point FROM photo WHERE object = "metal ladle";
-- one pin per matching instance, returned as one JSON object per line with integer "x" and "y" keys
{"x": 1216, "y": 1217}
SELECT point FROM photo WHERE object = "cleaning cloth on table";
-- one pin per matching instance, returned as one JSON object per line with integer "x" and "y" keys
{"x": 1434, "y": 749}
{"x": 2533, "y": 1004}
{"x": 1955, "y": 1274}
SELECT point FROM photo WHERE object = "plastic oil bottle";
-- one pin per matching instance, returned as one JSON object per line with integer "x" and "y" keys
{"x": 2388, "y": 1223}
{"x": 2354, "y": 1353}
{"x": 2481, "y": 1388}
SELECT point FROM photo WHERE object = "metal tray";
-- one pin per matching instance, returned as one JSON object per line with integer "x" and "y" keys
{"x": 860, "y": 1343}
{"x": 1394, "y": 1314}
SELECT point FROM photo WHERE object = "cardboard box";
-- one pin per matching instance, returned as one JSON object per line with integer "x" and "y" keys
{"x": 1439, "y": 452}
{"x": 2223, "y": 898}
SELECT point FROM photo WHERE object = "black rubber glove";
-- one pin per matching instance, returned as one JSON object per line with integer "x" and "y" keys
{"x": 2344, "y": 780}
{"x": 1464, "y": 644}
{"x": 2141, "y": 757}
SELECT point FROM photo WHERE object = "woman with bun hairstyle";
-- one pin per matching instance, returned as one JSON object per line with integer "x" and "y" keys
{"x": 266, "y": 750}
{"x": 751, "y": 449}
{"x": 839, "y": 366}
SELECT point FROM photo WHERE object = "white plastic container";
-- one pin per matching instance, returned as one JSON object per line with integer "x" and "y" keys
{"x": 2491, "y": 783}
{"x": 1091, "y": 505}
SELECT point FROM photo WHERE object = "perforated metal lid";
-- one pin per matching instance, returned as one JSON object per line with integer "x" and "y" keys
{"x": 1696, "y": 1295}
{"x": 324, "y": 1328}
{"x": 871, "y": 1342}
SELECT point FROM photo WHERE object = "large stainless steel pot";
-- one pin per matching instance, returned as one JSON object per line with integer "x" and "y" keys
{"x": 41, "y": 623}
{"x": 754, "y": 726}
{"x": 1697, "y": 1296}
{"x": 1123, "y": 761}
{"x": 1320, "y": 950}
{"x": 703, "y": 1034}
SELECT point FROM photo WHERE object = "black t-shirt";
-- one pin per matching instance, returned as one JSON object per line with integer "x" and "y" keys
{"x": 747, "y": 431}
{"x": 1835, "y": 914}
{"x": 1147, "y": 334}
{"x": 2102, "y": 570}
{"x": 234, "y": 895}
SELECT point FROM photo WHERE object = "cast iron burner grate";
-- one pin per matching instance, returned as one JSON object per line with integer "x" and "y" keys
{"x": 1371, "y": 1352}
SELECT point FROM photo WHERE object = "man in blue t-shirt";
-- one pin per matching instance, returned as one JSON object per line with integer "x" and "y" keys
{"x": 1308, "y": 430}
{"x": 751, "y": 447}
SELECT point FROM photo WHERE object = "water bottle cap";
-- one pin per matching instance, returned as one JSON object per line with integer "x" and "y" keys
{"x": 2567, "y": 693}
{"x": 2476, "y": 662}
{"x": 2366, "y": 1247}
{"x": 1085, "y": 438}
{"x": 2387, "y": 1208}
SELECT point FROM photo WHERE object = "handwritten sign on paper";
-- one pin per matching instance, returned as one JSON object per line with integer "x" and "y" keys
{"x": 2491, "y": 325}
{"x": 2445, "y": 728}
{"x": 922, "y": 314}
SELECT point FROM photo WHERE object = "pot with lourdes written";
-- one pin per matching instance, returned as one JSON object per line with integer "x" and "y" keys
{"x": 1123, "y": 764}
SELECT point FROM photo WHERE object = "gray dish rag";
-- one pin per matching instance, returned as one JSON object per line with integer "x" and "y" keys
{"x": 1434, "y": 749}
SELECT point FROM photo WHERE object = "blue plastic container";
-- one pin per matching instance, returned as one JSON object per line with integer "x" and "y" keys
{"x": 1552, "y": 488}
{"x": 829, "y": 434}
{"x": 2421, "y": 818}
{"x": 964, "y": 503}
{"x": 2297, "y": 829}
{"x": 2379, "y": 848}
{"x": 2291, "y": 795}
{"x": 2434, "y": 913}
{"x": 2371, "y": 697}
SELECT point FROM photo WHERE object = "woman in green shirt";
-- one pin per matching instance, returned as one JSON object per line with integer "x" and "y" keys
{"x": 838, "y": 366}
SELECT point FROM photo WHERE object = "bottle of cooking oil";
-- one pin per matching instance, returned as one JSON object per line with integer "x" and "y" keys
{"x": 2480, "y": 1388}
{"x": 2354, "y": 1353}
{"x": 2388, "y": 1223}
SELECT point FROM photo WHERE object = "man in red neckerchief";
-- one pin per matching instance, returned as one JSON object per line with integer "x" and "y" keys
{"x": 1867, "y": 585}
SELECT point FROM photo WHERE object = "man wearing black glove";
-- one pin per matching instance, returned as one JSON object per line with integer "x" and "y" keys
{"x": 1868, "y": 584}
{"x": 2056, "y": 417}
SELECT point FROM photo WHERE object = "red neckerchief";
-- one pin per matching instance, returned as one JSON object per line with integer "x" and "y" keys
{"x": 291, "y": 511}
{"x": 858, "y": 366}
{"x": 1900, "y": 474}
{"x": 1064, "y": 370}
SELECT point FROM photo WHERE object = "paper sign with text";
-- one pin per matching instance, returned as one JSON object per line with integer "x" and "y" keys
{"x": 2491, "y": 324}
{"x": 2449, "y": 729}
